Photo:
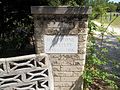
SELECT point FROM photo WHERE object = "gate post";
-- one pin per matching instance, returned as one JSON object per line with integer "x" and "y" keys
{"x": 61, "y": 32}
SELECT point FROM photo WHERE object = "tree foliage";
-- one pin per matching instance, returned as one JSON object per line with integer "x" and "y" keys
{"x": 112, "y": 7}
{"x": 95, "y": 77}
{"x": 100, "y": 7}
{"x": 16, "y": 22}
{"x": 118, "y": 6}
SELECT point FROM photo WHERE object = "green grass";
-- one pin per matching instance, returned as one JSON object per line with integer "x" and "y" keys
{"x": 106, "y": 20}
{"x": 116, "y": 23}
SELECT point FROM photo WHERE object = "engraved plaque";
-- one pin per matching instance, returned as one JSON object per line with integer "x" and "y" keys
{"x": 60, "y": 44}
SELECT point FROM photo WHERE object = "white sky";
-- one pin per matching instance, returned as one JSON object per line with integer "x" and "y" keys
{"x": 115, "y": 0}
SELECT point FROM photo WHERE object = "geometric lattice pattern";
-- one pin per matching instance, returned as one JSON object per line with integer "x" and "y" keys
{"x": 29, "y": 72}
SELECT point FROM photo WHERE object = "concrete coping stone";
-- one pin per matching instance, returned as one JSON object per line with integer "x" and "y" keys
{"x": 24, "y": 57}
{"x": 50, "y": 10}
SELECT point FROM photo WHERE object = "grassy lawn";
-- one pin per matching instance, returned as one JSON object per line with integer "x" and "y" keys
{"x": 116, "y": 23}
{"x": 106, "y": 20}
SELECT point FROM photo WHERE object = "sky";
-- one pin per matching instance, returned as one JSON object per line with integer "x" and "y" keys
{"x": 115, "y": 0}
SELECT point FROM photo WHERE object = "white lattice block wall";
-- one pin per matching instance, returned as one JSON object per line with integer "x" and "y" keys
{"x": 31, "y": 72}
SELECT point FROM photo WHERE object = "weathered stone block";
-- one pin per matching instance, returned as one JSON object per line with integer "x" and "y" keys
{"x": 56, "y": 68}
{"x": 82, "y": 31}
{"x": 82, "y": 38}
{"x": 57, "y": 88}
{"x": 71, "y": 68}
{"x": 63, "y": 84}
{"x": 79, "y": 62}
{"x": 65, "y": 88}
{"x": 61, "y": 30}
{"x": 82, "y": 50}
{"x": 69, "y": 79}
{"x": 82, "y": 57}
{"x": 83, "y": 24}
{"x": 63, "y": 74}
{"x": 57, "y": 79}
{"x": 68, "y": 61}
{"x": 40, "y": 50}
{"x": 55, "y": 61}
{"x": 77, "y": 74}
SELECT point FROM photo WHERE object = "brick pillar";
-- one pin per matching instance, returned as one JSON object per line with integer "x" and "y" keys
{"x": 61, "y": 32}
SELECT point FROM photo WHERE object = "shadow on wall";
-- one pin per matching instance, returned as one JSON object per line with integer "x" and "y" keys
{"x": 78, "y": 85}
{"x": 50, "y": 10}
{"x": 66, "y": 17}
{"x": 64, "y": 29}
{"x": 66, "y": 23}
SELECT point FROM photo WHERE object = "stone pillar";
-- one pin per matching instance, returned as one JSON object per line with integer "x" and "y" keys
{"x": 61, "y": 32}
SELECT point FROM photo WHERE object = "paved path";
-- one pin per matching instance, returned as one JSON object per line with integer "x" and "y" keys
{"x": 110, "y": 28}
{"x": 113, "y": 46}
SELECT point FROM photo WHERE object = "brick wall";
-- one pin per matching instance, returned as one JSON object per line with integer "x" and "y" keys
{"x": 63, "y": 21}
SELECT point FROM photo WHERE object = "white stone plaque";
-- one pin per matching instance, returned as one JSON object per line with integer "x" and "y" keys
{"x": 60, "y": 44}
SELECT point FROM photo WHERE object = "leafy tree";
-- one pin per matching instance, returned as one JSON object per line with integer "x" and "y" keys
{"x": 94, "y": 75}
{"x": 112, "y": 7}
{"x": 66, "y": 2}
{"x": 99, "y": 7}
{"x": 118, "y": 6}
{"x": 16, "y": 24}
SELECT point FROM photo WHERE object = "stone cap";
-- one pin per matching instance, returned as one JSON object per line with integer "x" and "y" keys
{"x": 50, "y": 10}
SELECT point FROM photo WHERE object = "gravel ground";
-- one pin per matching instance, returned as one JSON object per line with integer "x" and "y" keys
{"x": 113, "y": 46}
